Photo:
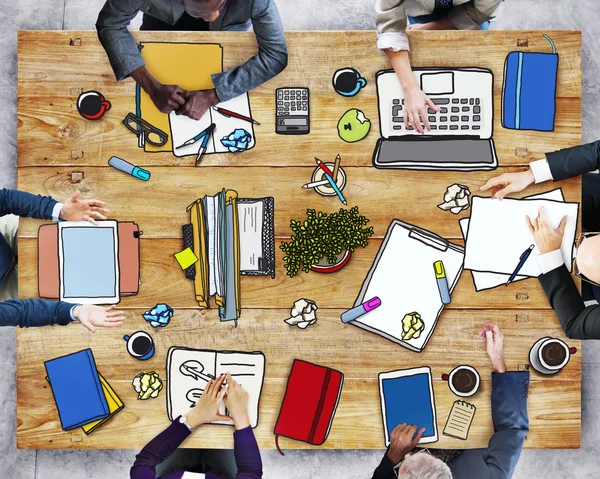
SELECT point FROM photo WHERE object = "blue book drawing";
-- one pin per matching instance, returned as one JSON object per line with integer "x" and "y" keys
{"x": 529, "y": 90}
{"x": 407, "y": 397}
{"x": 77, "y": 389}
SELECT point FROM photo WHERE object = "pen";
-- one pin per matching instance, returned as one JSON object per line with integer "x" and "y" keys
{"x": 202, "y": 148}
{"x": 229, "y": 113}
{"x": 314, "y": 184}
{"x": 361, "y": 309}
{"x": 324, "y": 167}
{"x": 336, "y": 189}
{"x": 522, "y": 260}
{"x": 199, "y": 136}
{"x": 126, "y": 167}
{"x": 442, "y": 281}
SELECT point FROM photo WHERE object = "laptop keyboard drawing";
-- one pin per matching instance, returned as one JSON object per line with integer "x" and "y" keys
{"x": 461, "y": 132}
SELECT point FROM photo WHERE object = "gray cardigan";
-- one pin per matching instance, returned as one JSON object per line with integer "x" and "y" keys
{"x": 236, "y": 15}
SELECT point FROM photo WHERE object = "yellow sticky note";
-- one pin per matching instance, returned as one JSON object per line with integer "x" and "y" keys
{"x": 186, "y": 258}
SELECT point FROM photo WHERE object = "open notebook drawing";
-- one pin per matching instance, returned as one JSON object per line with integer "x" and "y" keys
{"x": 483, "y": 281}
{"x": 403, "y": 277}
{"x": 184, "y": 128}
{"x": 498, "y": 234}
{"x": 189, "y": 370}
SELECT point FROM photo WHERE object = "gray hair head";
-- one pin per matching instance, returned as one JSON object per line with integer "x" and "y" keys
{"x": 423, "y": 466}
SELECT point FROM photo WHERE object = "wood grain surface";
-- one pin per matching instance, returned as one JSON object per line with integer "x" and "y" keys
{"x": 60, "y": 152}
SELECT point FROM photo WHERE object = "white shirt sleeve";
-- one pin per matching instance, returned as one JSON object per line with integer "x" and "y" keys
{"x": 550, "y": 261}
{"x": 541, "y": 170}
{"x": 395, "y": 41}
{"x": 56, "y": 211}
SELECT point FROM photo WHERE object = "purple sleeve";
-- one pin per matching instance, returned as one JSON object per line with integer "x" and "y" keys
{"x": 247, "y": 455}
{"x": 157, "y": 450}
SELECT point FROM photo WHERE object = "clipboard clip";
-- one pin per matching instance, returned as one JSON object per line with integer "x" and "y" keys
{"x": 428, "y": 238}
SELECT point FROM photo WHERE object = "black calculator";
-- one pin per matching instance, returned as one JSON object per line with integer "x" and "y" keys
{"x": 292, "y": 114}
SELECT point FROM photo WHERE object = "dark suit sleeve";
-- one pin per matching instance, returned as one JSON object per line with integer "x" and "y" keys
{"x": 575, "y": 161}
{"x": 577, "y": 321}
{"x": 385, "y": 470}
{"x": 511, "y": 425}
{"x": 25, "y": 204}
{"x": 34, "y": 312}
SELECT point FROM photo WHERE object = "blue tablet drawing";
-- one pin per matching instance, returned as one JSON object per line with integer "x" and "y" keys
{"x": 407, "y": 397}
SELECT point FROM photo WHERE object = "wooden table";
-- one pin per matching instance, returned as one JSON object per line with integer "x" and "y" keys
{"x": 59, "y": 152}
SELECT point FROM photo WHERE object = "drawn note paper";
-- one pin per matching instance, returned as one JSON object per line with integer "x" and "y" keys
{"x": 483, "y": 281}
{"x": 184, "y": 128}
{"x": 498, "y": 234}
{"x": 403, "y": 277}
{"x": 189, "y": 370}
{"x": 460, "y": 419}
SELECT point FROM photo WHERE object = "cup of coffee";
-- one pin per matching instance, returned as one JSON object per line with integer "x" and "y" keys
{"x": 140, "y": 345}
{"x": 550, "y": 355}
{"x": 463, "y": 380}
{"x": 348, "y": 82}
{"x": 92, "y": 105}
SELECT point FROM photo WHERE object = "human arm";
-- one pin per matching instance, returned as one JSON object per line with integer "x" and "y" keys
{"x": 21, "y": 203}
{"x": 557, "y": 165}
{"x": 270, "y": 60}
{"x": 470, "y": 15}
{"x": 403, "y": 439}
{"x": 125, "y": 57}
{"x": 35, "y": 312}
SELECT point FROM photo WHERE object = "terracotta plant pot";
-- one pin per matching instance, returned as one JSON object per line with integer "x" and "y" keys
{"x": 325, "y": 267}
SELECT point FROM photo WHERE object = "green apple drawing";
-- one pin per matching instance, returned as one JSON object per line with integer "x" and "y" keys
{"x": 353, "y": 126}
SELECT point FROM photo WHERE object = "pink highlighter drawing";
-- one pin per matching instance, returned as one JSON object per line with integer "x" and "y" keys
{"x": 361, "y": 309}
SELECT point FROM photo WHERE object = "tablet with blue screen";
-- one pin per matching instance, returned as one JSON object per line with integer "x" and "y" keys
{"x": 407, "y": 397}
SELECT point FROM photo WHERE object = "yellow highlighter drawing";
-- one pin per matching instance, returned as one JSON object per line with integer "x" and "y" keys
{"x": 442, "y": 282}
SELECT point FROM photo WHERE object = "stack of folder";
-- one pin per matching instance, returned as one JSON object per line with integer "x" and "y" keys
{"x": 82, "y": 396}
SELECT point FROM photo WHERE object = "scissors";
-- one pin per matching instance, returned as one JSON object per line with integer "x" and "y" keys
{"x": 204, "y": 136}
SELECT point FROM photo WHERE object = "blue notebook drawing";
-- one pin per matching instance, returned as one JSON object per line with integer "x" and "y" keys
{"x": 77, "y": 389}
{"x": 529, "y": 90}
{"x": 407, "y": 397}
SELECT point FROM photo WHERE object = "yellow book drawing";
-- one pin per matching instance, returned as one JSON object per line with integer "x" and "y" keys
{"x": 189, "y": 65}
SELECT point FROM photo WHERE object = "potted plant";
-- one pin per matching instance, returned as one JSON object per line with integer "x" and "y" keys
{"x": 324, "y": 242}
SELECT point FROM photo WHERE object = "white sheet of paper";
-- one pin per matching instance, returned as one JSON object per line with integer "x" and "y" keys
{"x": 498, "y": 234}
{"x": 484, "y": 281}
{"x": 405, "y": 282}
{"x": 250, "y": 217}
{"x": 184, "y": 128}
{"x": 248, "y": 369}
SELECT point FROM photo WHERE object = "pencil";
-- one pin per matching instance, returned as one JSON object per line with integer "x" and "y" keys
{"x": 336, "y": 189}
{"x": 314, "y": 184}
{"x": 336, "y": 167}
{"x": 324, "y": 167}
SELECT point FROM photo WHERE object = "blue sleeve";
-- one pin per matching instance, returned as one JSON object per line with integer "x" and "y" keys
{"x": 112, "y": 23}
{"x": 511, "y": 425}
{"x": 24, "y": 204}
{"x": 247, "y": 454}
{"x": 34, "y": 312}
{"x": 270, "y": 60}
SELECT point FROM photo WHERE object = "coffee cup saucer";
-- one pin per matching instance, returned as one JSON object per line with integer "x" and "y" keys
{"x": 534, "y": 358}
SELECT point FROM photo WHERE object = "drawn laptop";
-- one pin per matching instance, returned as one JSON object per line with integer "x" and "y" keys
{"x": 461, "y": 132}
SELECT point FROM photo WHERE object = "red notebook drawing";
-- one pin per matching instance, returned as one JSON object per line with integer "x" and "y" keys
{"x": 311, "y": 398}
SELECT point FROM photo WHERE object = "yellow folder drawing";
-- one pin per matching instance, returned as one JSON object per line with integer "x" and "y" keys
{"x": 189, "y": 65}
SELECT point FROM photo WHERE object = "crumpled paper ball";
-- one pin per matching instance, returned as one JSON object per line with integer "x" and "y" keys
{"x": 412, "y": 326}
{"x": 159, "y": 316}
{"x": 147, "y": 385}
{"x": 238, "y": 140}
{"x": 303, "y": 314}
{"x": 456, "y": 198}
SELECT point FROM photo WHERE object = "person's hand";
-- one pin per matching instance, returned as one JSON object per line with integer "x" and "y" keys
{"x": 197, "y": 103}
{"x": 545, "y": 236}
{"x": 92, "y": 316}
{"x": 417, "y": 26}
{"x": 236, "y": 400}
{"x": 495, "y": 345}
{"x": 509, "y": 183}
{"x": 443, "y": 23}
{"x": 415, "y": 109}
{"x": 75, "y": 209}
{"x": 166, "y": 98}
{"x": 207, "y": 408}
{"x": 402, "y": 441}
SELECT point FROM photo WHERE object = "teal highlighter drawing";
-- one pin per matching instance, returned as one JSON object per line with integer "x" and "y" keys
{"x": 126, "y": 167}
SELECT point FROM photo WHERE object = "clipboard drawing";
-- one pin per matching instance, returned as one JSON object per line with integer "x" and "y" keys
{"x": 403, "y": 278}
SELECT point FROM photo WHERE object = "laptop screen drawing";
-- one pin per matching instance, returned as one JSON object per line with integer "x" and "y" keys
{"x": 88, "y": 259}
